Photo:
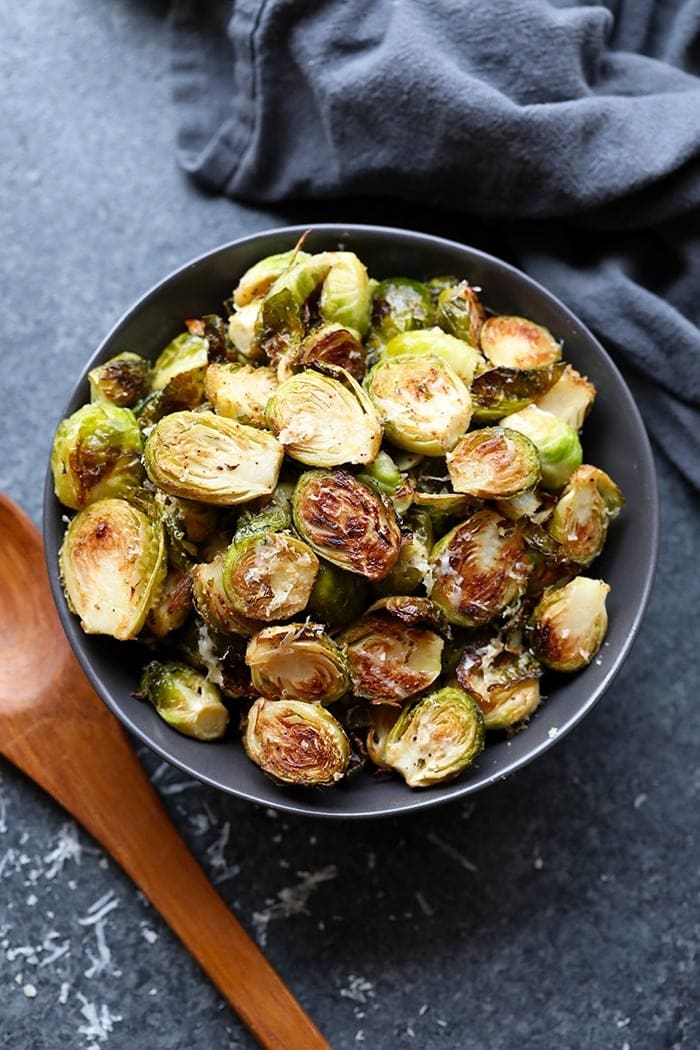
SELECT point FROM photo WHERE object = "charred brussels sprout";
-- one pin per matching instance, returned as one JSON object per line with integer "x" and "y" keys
{"x": 494, "y": 463}
{"x": 411, "y": 566}
{"x": 123, "y": 380}
{"x": 329, "y": 344}
{"x": 499, "y": 391}
{"x": 172, "y": 605}
{"x": 345, "y": 295}
{"x": 423, "y": 404}
{"x": 240, "y": 392}
{"x": 323, "y": 421}
{"x": 389, "y": 659}
{"x": 297, "y": 661}
{"x": 503, "y": 681}
{"x": 112, "y": 564}
{"x": 296, "y": 742}
{"x": 185, "y": 699}
{"x": 185, "y": 353}
{"x": 202, "y": 456}
{"x": 436, "y": 739}
{"x": 346, "y": 522}
{"x": 399, "y": 305}
{"x": 258, "y": 279}
{"x": 415, "y": 611}
{"x": 463, "y": 358}
{"x": 515, "y": 342}
{"x": 579, "y": 522}
{"x": 213, "y": 604}
{"x": 270, "y": 576}
{"x": 569, "y": 399}
{"x": 479, "y": 568}
{"x": 183, "y": 393}
{"x": 279, "y": 325}
{"x": 96, "y": 454}
{"x": 569, "y": 624}
{"x": 337, "y": 598}
{"x": 459, "y": 312}
{"x": 557, "y": 443}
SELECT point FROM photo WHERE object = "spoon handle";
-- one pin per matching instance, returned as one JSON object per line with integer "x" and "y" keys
{"x": 113, "y": 799}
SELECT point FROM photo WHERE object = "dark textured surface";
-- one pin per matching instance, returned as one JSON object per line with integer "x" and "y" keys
{"x": 558, "y": 909}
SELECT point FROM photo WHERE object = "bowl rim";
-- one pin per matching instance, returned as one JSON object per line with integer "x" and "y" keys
{"x": 438, "y": 794}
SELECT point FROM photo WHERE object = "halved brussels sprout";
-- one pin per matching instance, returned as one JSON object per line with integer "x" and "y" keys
{"x": 494, "y": 463}
{"x": 345, "y": 295}
{"x": 515, "y": 342}
{"x": 390, "y": 660}
{"x": 185, "y": 699}
{"x": 296, "y": 742}
{"x": 96, "y": 454}
{"x": 172, "y": 605}
{"x": 280, "y": 322}
{"x": 240, "y": 392}
{"x": 242, "y": 330}
{"x": 503, "y": 681}
{"x": 202, "y": 456}
{"x": 580, "y": 519}
{"x": 123, "y": 380}
{"x": 269, "y": 576}
{"x": 337, "y": 598}
{"x": 457, "y": 353}
{"x": 258, "y": 279}
{"x": 384, "y": 476}
{"x": 184, "y": 353}
{"x": 418, "y": 612}
{"x": 569, "y": 624}
{"x": 213, "y": 604}
{"x": 183, "y": 393}
{"x": 535, "y": 505}
{"x": 479, "y": 569}
{"x": 399, "y": 305}
{"x": 297, "y": 661}
{"x": 434, "y": 495}
{"x": 382, "y": 719}
{"x": 112, "y": 563}
{"x": 436, "y": 739}
{"x": 329, "y": 344}
{"x": 569, "y": 399}
{"x": 557, "y": 443}
{"x": 323, "y": 421}
{"x": 346, "y": 522}
{"x": 499, "y": 391}
{"x": 459, "y": 312}
{"x": 412, "y": 565}
{"x": 424, "y": 405}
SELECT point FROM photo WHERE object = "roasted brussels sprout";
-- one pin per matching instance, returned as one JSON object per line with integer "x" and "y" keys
{"x": 345, "y": 295}
{"x": 213, "y": 604}
{"x": 459, "y": 312}
{"x": 123, "y": 380}
{"x": 436, "y": 739}
{"x": 461, "y": 356}
{"x": 382, "y": 719}
{"x": 185, "y": 699}
{"x": 346, "y": 522}
{"x": 415, "y": 611}
{"x": 494, "y": 463}
{"x": 185, "y": 353}
{"x": 112, "y": 564}
{"x": 569, "y": 399}
{"x": 202, "y": 456}
{"x": 337, "y": 597}
{"x": 324, "y": 421}
{"x": 279, "y": 324}
{"x": 243, "y": 326}
{"x": 270, "y": 576}
{"x": 569, "y": 624}
{"x": 272, "y": 513}
{"x": 410, "y": 569}
{"x": 515, "y": 342}
{"x": 497, "y": 392}
{"x": 580, "y": 519}
{"x": 557, "y": 443}
{"x": 296, "y": 742}
{"x": 96, "y": 454}
{"x": 258, "y": 279}
{"x": 329, "y": 344}
{"x": 297, "y": 661}
{"x": 172, "y": 605}
{"x": 423, "y": 404}
{"x": 384, "y": 476}
{"x": 240, "y": 392}
{"x": 183, "y": 393}
{"x": 503, "y": 681}
{"x": 399, "y": 305}
{"x": 391, "y": 660}
{"x": 188, "y": 526}
{"x": 479, "y": 568}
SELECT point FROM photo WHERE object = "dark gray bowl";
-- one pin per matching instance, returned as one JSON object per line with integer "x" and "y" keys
{"x": 613, "y": 438}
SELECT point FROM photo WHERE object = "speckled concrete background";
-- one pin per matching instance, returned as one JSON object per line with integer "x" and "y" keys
{"x": 558, "y": 909}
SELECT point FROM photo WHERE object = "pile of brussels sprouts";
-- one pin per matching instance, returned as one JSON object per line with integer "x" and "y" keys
{"x": 352, "y": 513}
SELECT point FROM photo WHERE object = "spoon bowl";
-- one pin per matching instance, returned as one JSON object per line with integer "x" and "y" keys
{"x": 55, "y": 728}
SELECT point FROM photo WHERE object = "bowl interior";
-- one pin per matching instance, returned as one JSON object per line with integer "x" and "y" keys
{"x": 613, "y": 438}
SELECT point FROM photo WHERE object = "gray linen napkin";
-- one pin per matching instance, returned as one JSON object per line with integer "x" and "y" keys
{"x": 573, "y": 129}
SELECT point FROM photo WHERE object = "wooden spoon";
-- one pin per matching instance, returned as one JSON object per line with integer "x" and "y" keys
{"x": 54, "y": 727}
